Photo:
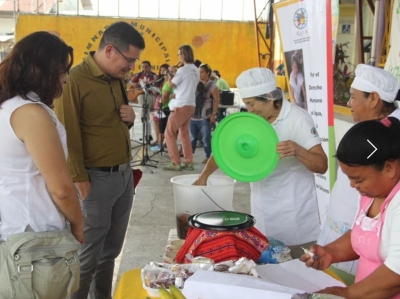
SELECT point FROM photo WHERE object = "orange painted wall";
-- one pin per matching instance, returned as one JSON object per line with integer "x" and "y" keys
{"x": 227, "y": 46}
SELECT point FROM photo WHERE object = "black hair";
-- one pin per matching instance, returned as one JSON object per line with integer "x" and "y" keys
{"x": 146, "y": 62}
{"x": 122, "y": 35}
{"x": 217, "y": 73}
{"x": 207, "y": 68}
{"x": 200, "y": 86}
{"x": 161, "y": 76}
{"x": 355, "y": 147}
{"x": 197, "y": 63}
{"x": 397, "y": 96}
{"x": 35, "y": 64}
{"x": 163, "y": 66}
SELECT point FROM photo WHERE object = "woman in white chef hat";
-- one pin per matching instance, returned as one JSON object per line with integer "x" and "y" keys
{"x": 373, "y": 95}
{"x": 285, "y": 203}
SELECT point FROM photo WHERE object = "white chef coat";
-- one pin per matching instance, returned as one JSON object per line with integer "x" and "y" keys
{"x": 285, "y": 203}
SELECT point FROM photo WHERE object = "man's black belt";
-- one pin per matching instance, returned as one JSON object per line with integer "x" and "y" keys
{"x": 121, "y": 167}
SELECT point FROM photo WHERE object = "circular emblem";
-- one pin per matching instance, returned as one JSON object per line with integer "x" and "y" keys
{"x": 300, "y": 18}
{"x": 314, "y": 131}
{"x": 55, "y": 277}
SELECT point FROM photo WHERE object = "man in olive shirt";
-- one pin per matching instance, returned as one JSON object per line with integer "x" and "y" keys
{"x": 97, "y": 121}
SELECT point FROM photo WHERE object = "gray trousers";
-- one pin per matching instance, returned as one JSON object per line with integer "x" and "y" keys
{"x": 106, "y": 211}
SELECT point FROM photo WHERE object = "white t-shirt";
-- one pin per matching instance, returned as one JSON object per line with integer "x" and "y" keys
{"x": 390, "y": 242}
{"x": 25, "y": 203}
{"x": 186, "y": 79}
{"x": 285, "y": 203}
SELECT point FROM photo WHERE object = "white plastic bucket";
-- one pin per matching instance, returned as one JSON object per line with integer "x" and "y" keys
{"x": 189, "y": 199}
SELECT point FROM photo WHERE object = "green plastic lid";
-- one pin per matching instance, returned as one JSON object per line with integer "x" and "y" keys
{"x": 222, "y": 221}
{"x": 244, "y": 147}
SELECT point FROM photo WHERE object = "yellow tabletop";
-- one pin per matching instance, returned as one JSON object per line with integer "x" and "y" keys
{"x": 130, "y": 286}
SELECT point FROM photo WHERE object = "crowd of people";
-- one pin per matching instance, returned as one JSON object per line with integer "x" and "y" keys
{"x": 66, "y": 184}
{"x": 65, "y": 161}
{"x": 191, "y": 86}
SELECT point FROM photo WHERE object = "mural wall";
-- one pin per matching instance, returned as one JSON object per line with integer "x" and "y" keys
{"x": 226, "y": 46}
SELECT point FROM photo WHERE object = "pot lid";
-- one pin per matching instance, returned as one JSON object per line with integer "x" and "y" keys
{"x": 244, "y": 147}
{"x": 222, "y": 221}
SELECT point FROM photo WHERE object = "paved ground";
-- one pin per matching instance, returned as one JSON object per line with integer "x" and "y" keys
{"x": 153, "y": 213}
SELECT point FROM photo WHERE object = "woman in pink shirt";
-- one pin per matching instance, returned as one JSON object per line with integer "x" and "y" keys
{"x": 369, "y": 154}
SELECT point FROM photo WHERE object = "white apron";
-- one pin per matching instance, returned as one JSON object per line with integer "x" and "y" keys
{"x": 285, "y": 204}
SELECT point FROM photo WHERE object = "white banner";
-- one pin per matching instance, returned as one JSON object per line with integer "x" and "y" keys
{"x": 335, "y": 25}
{"x": 393, "y": 62}
{"x": 307, "y": 44}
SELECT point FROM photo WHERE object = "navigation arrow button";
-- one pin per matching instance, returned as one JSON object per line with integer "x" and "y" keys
{"x": 375, "y": 149}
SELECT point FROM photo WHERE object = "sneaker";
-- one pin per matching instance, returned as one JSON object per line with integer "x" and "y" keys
{"x": 173, "y": 166}
{"x": 205, "y": 161}
{"x": 155, "y": 148}
{"x": 187, "y": 166}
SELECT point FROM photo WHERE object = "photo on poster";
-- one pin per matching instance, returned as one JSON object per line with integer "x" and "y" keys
{"x": 346, "y": 28}
{"x": 295, "y": 69}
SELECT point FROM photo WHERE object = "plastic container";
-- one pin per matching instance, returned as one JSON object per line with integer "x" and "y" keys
{"x": 189, "y": 199}
{"x": 169, "y": 257}
{"x": 151, "y": 292}
{"x": 176, "y": 244}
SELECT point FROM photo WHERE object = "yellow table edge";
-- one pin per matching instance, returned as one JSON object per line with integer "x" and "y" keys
{"x": 333, "y": 275}
{"x": 130, "y": 286}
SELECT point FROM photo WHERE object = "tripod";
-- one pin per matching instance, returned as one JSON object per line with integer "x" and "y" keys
{"x": 144, "y": 146}
{"x": 161, "y": 119}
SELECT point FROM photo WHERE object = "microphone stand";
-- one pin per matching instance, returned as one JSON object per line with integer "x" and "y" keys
{"x": 146, "y": 159}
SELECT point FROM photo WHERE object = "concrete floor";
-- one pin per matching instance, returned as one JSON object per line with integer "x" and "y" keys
{"x": 153, "y": 213}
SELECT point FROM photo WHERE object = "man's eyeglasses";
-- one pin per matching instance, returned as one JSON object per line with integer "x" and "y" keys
{"x": 128, "y": 60}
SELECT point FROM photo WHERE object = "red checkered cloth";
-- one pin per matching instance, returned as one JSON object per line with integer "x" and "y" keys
{"x": 223, "y": 246}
